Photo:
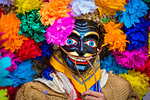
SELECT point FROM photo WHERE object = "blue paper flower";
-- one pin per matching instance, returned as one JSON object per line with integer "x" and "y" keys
{"x": 82, "y": 7}
{"x": 134, "y": 10}
{"x": 137, "y": 35}
{"x": 110, "y": 64}
{"x": 5, "y": 62}
{"x": 23, "y": 73}
{"x": 46, "y": 50}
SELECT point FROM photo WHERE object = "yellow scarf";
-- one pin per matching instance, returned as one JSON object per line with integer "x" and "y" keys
{"x": 59, "y": 64}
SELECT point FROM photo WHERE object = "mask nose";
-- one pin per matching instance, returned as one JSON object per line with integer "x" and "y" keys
{"x": 81, "y": 50}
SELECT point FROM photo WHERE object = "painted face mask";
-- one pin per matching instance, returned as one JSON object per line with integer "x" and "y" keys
{"x": 82, "y": 42}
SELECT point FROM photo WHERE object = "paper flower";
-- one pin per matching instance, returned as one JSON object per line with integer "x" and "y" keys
{"x": 23, "y": 74}
{"x": 146, "y": 68}
{"x": 109, "y": 7}
{"x": 9, "y": 25}
{"x": 132, "y": 59}
{"x": 149, "y": 43}
{"x": 79, "y": 7}
{"x": 138, "y": 81}
{"x": 134, "y": 10}
{"x": 8, "y": 2}
{"x": 59, "y": 31}
{"x": 3, "y": 94}
{"x": 114, "y": 37}
{"x": 109, "y": 64}
{"x": 11, "y": 91}
{"x": 53, "y": 10}
{"x": 30, "y": 49}
{"x": 14, "y": 58}
{"x": 27, "y": 5}
{"x": 1, "y": 12}
{"x": 46, "y": 50}
{"x": 137, "y": 35}
{"x": 5, "y": 62}
{"x": 31, "y": 26}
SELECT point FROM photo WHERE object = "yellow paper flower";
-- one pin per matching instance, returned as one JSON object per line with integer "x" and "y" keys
{"x": 53, "y": 10}
{"x": 114, "y": 38}
{"x": 109, "y": 7}
{"x": 138, "y": 81}
{"x": 27, "y": 5}
{"x": 9, "y": 26}
{"x": 3, "y": 94}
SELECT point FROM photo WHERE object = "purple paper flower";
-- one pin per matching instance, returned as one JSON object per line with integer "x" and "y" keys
{"x": 60, "y": 30}
{"x": 132, "y": 59}
{"x": 14, "y": 58}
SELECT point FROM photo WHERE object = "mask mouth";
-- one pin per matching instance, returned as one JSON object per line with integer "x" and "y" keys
{"x": 79, "y": 61}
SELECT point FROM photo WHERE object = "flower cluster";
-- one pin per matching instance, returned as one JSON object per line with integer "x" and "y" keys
{"x": 132, "y": 59}
{"x": 115, "y": 37}
{"x": 31, "y": 25}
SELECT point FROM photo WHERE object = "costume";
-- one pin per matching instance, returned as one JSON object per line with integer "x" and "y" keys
{"x": 50, "y": 47}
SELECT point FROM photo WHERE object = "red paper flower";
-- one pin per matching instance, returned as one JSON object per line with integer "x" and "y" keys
{"x": 146, "y": 68}
{"x": 30, "y": 49}
{"x": 1, "y": 12}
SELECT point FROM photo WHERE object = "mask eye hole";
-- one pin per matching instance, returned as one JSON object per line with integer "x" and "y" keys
{"x": 70, "y": 41}
{"x": 91, "y": 43}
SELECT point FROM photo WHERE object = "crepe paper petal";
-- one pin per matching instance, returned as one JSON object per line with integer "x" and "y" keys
{"x": 3, "y": 94}
{"x": 127, "y": 1}
{"x": 106, "y": 20}
{"x": 146, "y": 68}
{"x": 14, "y": 58}
{"x": 9, "y": 25}
{"x": 149, "y": 44}
{"x": 109, "y": 7}
{"x": 53, "y": 10}
{"x": 1, "y": 12}
{"x": 138, "y": 81}
{"x": 11, "y": 91}
{"x": 134, "y": 10}
{"x": 137, "y": 35}
{"x": 23, "y": 74}
{"x": 115, "y": 37}
{"x": 27, "y": 5}
{"x": 109, "y": 64}
{"x": 30, "y": 49}
{"x": 46, "y": 73}
{"x": 8, "y": 2}
{"x": 60, "y": 30}
{"x": 46, "y": 1}
{"x": 132, "y": 59}
{"x": 46, "y": 50}
{"x": 79, "y": 7}
{"x": 5, "y": 62}
{"x": 31, "y": 25}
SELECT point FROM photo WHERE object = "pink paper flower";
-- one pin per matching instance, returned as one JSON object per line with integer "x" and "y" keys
{"x": 60, "y": 30}
{"x": 14, "y": 58}
{"x": 132, "y": 59}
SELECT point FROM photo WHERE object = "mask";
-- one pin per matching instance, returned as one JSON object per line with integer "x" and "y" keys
{"x": 82, "y": 42}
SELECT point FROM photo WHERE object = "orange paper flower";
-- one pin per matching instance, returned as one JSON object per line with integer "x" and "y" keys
{"x": 53, "y": 10}
{"x": 114, "y": 37}
{"x": 9, "y": 25}
{"x": 109, "y": 7}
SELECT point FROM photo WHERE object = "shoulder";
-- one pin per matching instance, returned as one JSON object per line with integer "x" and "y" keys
{"x": 117, "y": 88}
{"x": 38, "y": 91}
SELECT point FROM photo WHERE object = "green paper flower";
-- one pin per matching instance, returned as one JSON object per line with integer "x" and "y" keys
{"x": 31, "y": 25}
{"x": 147, "y": 1}
{"x": 105, "y": 20}
{"x": 3, "y": 94}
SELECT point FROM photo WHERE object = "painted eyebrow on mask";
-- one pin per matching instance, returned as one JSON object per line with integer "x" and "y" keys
{"x": 92, "y": 34}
